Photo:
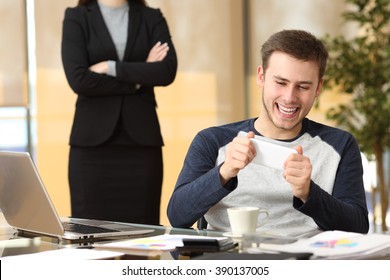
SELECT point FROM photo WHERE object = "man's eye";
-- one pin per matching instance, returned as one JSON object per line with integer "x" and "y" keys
{"x": 280, "y": 83}
{"x": 303, "y": 88}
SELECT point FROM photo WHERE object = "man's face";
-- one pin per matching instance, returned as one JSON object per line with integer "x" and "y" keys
{"x": 290, "y": 87}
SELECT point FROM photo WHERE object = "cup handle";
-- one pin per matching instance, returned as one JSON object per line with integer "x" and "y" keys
{"x": 265, "y": 219}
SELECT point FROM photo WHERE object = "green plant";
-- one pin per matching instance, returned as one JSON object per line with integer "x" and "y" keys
{"x": 361, "y": 67}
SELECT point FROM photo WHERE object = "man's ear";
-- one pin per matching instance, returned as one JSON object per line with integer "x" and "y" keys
{"x": 260, "y": 75}
{"x": 319, "y": 87}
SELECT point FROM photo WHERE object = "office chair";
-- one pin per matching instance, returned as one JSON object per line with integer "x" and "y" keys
{"x": 201, "y": 223}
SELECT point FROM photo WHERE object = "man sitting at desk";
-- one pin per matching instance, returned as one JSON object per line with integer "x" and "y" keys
{"x": 320, "y": 187}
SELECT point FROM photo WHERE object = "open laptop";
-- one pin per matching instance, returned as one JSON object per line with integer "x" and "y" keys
{"x": 27, "y": 207}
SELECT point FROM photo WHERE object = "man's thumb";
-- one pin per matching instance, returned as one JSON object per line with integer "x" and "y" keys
{"x": 299, "y": 150}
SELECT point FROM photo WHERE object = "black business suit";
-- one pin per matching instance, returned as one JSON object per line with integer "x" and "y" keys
{"x": 115, "y": 117}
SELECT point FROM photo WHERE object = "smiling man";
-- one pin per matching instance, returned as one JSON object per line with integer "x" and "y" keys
{"x": 320, "y": 186}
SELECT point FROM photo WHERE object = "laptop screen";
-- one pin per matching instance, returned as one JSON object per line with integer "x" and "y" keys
{"x": 23, "y": 199}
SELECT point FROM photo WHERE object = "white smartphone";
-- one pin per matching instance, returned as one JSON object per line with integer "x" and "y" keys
{"x": 269, "y": 154}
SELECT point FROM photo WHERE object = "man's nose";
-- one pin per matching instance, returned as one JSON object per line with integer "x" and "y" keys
{"x": 290, "y": 94}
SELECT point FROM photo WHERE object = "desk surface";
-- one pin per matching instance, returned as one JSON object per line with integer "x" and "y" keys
{"x": 12, "y": 244}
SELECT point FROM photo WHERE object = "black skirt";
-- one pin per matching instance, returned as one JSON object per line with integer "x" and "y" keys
{"x": 117, "y": 181}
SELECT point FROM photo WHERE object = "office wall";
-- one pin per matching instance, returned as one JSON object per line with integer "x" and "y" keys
{"x": 13, "y": 62}
{"x": 54, "y": 101}
{"x": 211, "y": 87}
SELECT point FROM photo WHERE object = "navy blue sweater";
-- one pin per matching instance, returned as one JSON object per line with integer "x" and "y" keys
{"x": 336, "y": 200}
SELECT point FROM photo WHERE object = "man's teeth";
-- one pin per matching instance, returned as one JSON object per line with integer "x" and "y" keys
{"x": 288, "y": 111}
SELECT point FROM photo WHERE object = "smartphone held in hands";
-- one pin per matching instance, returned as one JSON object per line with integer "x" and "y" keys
{"x": 269, "y": 153}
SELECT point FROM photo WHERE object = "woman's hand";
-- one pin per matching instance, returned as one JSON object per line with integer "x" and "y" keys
{"x": 100, "y": 68}
{"x": 158, "y": 52}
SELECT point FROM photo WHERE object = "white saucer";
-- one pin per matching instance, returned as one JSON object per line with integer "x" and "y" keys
{"x": 230, "y": 234}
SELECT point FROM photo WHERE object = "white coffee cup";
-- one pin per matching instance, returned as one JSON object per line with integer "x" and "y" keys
{"x": 245, "y": 219}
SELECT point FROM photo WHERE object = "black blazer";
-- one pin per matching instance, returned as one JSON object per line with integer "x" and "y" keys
{"x": 102, "y": 99}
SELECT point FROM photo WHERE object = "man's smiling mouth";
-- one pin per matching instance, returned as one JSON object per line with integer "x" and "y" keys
{"x": 287, "y": 110}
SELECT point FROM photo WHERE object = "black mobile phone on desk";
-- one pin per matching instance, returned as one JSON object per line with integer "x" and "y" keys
{"x": 196, "y": 245}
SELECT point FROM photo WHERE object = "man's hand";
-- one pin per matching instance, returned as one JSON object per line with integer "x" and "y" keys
{"x": 158, "y": 52}
{"x": 239, "y": 153}
{"x": 297, "y": 172}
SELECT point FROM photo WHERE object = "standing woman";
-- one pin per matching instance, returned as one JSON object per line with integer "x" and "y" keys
{"x": 114, "y": 53}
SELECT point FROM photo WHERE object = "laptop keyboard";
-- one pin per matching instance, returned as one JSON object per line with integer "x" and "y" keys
{"x": 80, "y": 228}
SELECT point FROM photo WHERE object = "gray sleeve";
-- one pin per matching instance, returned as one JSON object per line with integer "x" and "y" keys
{"x": 111, "y": 68}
